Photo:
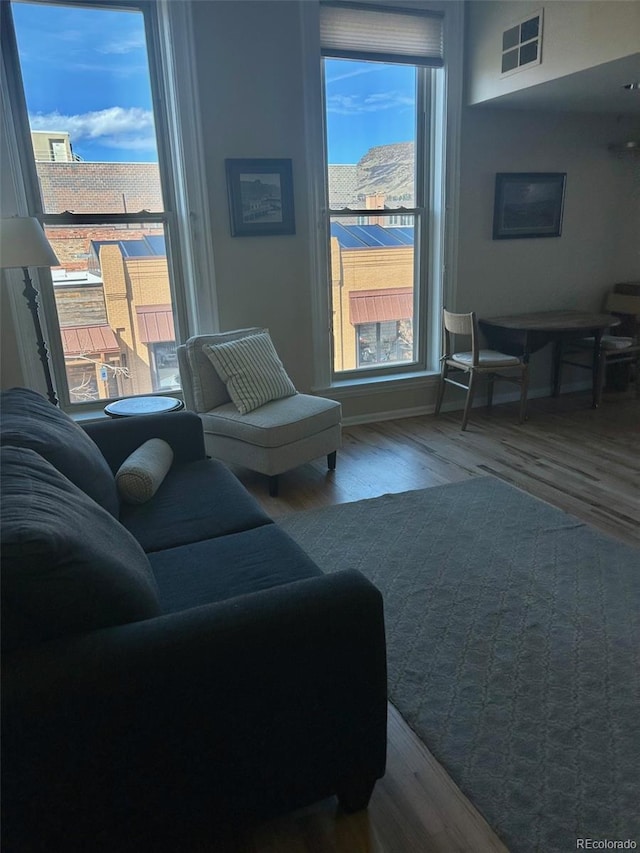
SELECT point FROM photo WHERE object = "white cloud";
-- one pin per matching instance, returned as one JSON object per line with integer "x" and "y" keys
{"x": 132, "y": 143}
{"x": 125, "y": 45}
{"x": 70, "y": 35}
{"x": 115, "y": 127}
{"x": 369, "y": 69}
{"x": 350, "y": 104}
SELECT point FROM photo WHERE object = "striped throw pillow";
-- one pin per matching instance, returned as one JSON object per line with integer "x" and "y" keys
{"x": 251, "y": 370}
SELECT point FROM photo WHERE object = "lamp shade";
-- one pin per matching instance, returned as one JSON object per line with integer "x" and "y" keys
{"x": 23, "y": 244}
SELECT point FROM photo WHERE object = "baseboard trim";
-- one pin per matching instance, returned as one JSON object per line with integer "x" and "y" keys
{"x": 458, "y": 405}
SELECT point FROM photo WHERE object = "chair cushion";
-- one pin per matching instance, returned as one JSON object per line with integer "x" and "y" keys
{"x": 208, "y": 389}
{"x": 198, "y": 500}
{"x": 277, "y": 423}
{"x": 252, "y": 371}
{"x": 140, "y": 475}
{"x": 228, "y": 566}
{"x": 487, "y": 358}
{"x": 67, "y": 565}
{"x": 28, "y": 420}
{"x": 609, "y": 342}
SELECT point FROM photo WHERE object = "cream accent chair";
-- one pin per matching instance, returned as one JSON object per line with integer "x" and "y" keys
{"x": 477, "y": 362}
{"x": 276, "y": 437}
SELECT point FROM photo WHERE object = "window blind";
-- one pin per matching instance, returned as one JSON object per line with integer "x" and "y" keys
{"x": 381, "y": 34}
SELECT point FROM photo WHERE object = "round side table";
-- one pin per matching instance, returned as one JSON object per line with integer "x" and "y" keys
{"x": 132, "y": 406}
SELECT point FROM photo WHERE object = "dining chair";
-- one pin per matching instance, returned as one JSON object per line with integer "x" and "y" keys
{"x": 468, "y": 365}
{"x": 622, "y": 347}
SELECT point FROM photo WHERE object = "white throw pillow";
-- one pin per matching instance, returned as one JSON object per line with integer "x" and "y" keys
{"x": 251, "y": 370}
{"x": 141, "y": 473}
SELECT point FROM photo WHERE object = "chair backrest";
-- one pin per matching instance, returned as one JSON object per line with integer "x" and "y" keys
{"x": 630, "y": 288}
{"x": 622, "y": 303}
{"x": 627, "y": 307}
{"x": 202, "y": 387}
{"x": 460, "y": 324}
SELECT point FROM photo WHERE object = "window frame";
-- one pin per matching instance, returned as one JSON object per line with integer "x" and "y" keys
{"x": 421, "y": 214}
{"x": 447, "y": 97}
{"x": 185, "y": 218}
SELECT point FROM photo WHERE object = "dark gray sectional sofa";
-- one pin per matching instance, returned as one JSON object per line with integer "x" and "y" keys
{"x": 170, "y": 670}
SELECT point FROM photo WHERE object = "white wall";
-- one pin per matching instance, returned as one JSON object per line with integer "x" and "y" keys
{"x": 577, "y": 34}
{"x": 570, "y": 271}
{"x": 249, "y": 67}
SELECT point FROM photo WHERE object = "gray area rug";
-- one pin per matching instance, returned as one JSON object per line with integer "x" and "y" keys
{"x": 513, "y": 646}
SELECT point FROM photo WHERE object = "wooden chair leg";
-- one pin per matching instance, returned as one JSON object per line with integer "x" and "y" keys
{"x": 469, "y": 401}
{"x": 492, "y": 379}
{"x": 273, "y": 486}
{"x": 331, "y": 460}
{"x": 556, "y": 373}
{"x": 601, "y": 377}
{"x": 441, "y": 386}
{"x": 523, "y": 393}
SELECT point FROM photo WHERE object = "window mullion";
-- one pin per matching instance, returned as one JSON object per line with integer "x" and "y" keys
{"x": 375, "y": 211}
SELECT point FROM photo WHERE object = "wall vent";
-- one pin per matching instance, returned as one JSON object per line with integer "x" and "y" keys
{"x": 522, "y": 44}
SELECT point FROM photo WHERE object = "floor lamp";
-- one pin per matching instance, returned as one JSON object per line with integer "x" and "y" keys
{"x": 22, "y": 245}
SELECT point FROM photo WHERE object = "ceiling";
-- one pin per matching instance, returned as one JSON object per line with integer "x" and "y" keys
{"x": 597, "y": 89}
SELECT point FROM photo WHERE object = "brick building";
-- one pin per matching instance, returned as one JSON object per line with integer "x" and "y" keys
{"x": 372, "y": 294}
{"x": 116, "y": 321}
{"x": 112, "y": 292}
{"x": 108, "y": 187}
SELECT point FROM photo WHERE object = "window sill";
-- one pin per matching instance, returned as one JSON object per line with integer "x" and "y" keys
{"x": 91, "y": 412}
{"x": 362, "y": 386}
{"x": 86, "y": 415}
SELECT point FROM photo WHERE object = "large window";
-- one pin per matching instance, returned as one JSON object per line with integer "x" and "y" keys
{"x": 377, "y": 70}
{"x": 89, "y": 117}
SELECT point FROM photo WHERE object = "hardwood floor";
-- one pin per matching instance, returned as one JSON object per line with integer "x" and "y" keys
{"x": 584, "y": 461}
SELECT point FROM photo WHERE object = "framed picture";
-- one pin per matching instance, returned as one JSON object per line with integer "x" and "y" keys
{"x": 528, "y": 204}
{"x": 260, "y": 197}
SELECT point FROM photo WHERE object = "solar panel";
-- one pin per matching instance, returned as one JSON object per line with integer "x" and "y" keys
{"x": 370, "y": 236}
{"x": 345, "y": 237}
{"x": 134, "y": 249}
{"x": 157, "y": 244}
{"x": 97, "y": 244}
{"x": 406, "y": 234}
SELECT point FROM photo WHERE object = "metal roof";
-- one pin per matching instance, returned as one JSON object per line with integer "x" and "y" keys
{"x": 78, "y": 340}
{"x": 155, "y": 324}
{"x": 371, "y": 236}
{"x": 378, "y": 306}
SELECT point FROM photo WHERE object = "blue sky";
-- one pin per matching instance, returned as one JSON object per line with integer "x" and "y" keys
{"x": 368, "y": 104}
{"x": 85, "y": 71}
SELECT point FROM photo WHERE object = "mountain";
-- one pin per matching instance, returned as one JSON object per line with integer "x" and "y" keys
{"x": 388, "y": 170}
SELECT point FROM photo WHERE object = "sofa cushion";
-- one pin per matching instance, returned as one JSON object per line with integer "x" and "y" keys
{"x": 275, "y": 424}
{"x": 208, "y": 389}
{"x": 142, "y": 472}
{"x": 28, "y": 420}
{"x": 229, "y": 566}
{"x": 252, "y": 371}
{"x": 67, "y": 565}
{"x": 196, "y": 501}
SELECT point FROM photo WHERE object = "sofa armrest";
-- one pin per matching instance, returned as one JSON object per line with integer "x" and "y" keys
{"x": 119, "y": 437}
{"x": 248, "y": 707}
